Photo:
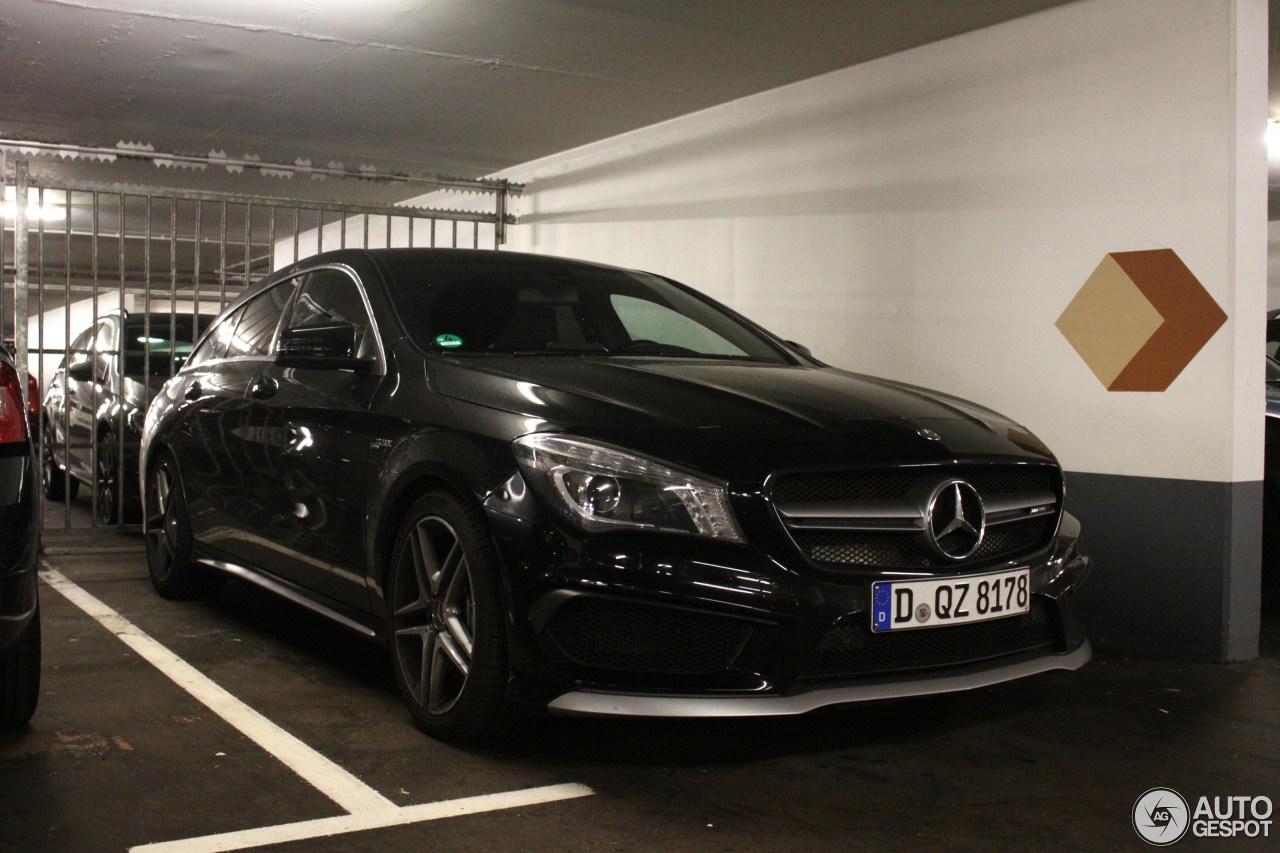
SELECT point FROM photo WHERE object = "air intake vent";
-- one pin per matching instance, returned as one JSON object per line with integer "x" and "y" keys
{"x": 639, "y": 638}
{"x": 852, "y": 650}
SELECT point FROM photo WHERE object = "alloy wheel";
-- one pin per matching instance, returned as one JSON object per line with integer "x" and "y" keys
{"x": 107, "y": 480}
{"x": 433, "y": 604}
{"x": 161, "y": 527}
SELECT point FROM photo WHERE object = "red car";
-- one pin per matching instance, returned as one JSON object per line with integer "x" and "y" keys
{"x": 19, "y": 606}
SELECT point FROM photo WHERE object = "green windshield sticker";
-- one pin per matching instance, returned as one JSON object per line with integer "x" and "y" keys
{"x": 448, "y": 341}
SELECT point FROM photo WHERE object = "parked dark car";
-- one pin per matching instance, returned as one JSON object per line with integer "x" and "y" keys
{"x": 1271, "y": 489}
{"x": 19, "y": 604}
{"x": 96, "y": 402}
{"x": 569, "y": 486}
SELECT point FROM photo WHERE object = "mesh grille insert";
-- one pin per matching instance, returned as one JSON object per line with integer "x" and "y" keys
{"x": 852, "y": 649}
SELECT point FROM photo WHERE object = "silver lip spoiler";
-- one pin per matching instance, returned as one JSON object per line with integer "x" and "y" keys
{"x": 599, "y": 704}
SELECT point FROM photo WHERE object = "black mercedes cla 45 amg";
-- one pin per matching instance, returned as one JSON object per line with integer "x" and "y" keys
{"x": 551, "y": 484}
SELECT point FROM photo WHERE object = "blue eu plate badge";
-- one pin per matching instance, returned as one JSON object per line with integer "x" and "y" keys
{"x": 882, "y": 606}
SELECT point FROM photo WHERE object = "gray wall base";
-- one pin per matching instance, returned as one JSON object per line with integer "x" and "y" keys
{"x": 1177, "y": 565}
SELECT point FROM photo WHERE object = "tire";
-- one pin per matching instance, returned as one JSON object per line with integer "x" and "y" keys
{"x": 107, "y": 482}
{"x": 20, "y": 677}
{"x": 174, "y": 573}
{"x": 448, "y": 623}
{"x": 59, "y": 486}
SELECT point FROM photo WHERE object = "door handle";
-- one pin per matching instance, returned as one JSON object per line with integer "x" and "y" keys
{"x": 264, "y": 388}
{"x": 194, "y": 391}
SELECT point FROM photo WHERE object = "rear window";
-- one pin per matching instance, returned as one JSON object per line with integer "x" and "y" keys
{"x": 161, "y": 344}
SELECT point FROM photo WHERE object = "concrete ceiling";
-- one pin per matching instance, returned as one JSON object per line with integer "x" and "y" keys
{"x": 452, "y": 87}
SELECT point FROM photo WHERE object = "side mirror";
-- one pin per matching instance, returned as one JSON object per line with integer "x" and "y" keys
{"x": 801, "y": 348}
{"x": 81, "y": 371}
{"x": 331, "y": 347}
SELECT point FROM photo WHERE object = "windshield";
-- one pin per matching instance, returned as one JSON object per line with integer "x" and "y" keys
{"x": 524, "y": 307}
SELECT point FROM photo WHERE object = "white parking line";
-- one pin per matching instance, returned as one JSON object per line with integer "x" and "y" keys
{"x": 368, "y": 809}
{"x": 328, "y": 826}
{"x": 328, "y": 778}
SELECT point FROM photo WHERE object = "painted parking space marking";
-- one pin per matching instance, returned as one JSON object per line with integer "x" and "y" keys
{"x": 367, "y": 809}
{"x": 381, "y": 819}
{"x": 321, "y": 773}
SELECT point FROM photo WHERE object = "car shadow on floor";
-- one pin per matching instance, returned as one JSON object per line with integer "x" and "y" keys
{"x": 1115, "y": 693}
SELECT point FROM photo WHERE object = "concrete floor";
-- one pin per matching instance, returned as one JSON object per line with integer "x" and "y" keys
{"x": 119, "y": 756}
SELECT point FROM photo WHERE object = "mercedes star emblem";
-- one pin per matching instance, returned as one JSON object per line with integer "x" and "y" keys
{"x": 955, "y": 520}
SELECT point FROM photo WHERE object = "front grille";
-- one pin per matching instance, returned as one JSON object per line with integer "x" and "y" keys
{"x": 641, "y": 638}
{"x": 852, "y": 649}
{"x": 896, "y": 550}
{"x": 844, "y": 492}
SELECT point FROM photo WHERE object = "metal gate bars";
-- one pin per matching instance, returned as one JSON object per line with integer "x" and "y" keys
{"x": 78, "y": 261}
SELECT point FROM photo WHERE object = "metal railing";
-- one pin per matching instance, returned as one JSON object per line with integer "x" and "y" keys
{"x": 73, "y": 256}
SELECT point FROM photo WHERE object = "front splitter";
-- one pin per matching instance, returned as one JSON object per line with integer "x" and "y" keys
{"x": 600, "y": 704}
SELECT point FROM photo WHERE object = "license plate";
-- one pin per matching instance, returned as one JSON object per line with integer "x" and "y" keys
{"x": 900, "y": 605}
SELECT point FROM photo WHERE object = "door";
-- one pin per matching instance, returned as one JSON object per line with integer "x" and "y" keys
{"x": 62, "y": 400}
{"x": 219, "y": 480}
{"x": 314, "y": 447}
{"x": 87, "y": 395}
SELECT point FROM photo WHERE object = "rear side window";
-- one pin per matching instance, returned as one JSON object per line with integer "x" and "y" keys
{"x": 258, "y": 321}
{"x": 79, "y": 349}
{"x": 219, "y": 340}
{"x": 249, "y": 330}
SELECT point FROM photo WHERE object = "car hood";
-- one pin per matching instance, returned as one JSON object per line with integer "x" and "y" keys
{"x": 737, "y": 419}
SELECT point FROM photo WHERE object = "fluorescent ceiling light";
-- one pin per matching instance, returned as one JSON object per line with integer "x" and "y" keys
{"x": 49, "y": 213}
{"x": 1273, "y": 141}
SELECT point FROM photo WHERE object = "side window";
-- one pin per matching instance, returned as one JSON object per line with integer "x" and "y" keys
{"x": 79, "y": 349}
{"x": 104, "y": 347}
{"x": 328, "y": 297}
{"x": 202, "y": 352}
{"x": 216, "y": 345}
{"x": 258, "y": 321}
{"x": 105, "y": 341}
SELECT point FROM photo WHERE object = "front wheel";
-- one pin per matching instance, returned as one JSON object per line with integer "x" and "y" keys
{"x": 59, "y": 485}
{"x": 107, "y": 487}
{"x": 448, "y": 637}
{"x": 173, "y": 572}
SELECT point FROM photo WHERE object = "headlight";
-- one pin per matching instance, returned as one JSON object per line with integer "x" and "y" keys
{"x": 600, "y": 487}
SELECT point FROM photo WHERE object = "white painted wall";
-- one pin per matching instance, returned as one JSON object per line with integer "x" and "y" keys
{"x": 928, "y": 216}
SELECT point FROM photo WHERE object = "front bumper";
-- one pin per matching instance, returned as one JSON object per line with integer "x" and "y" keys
{"x": 802, "y": 701}
{"x": 682, "y": 627}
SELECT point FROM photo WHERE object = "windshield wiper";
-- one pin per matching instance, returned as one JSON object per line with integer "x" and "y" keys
{"x": 565, "y": 349}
